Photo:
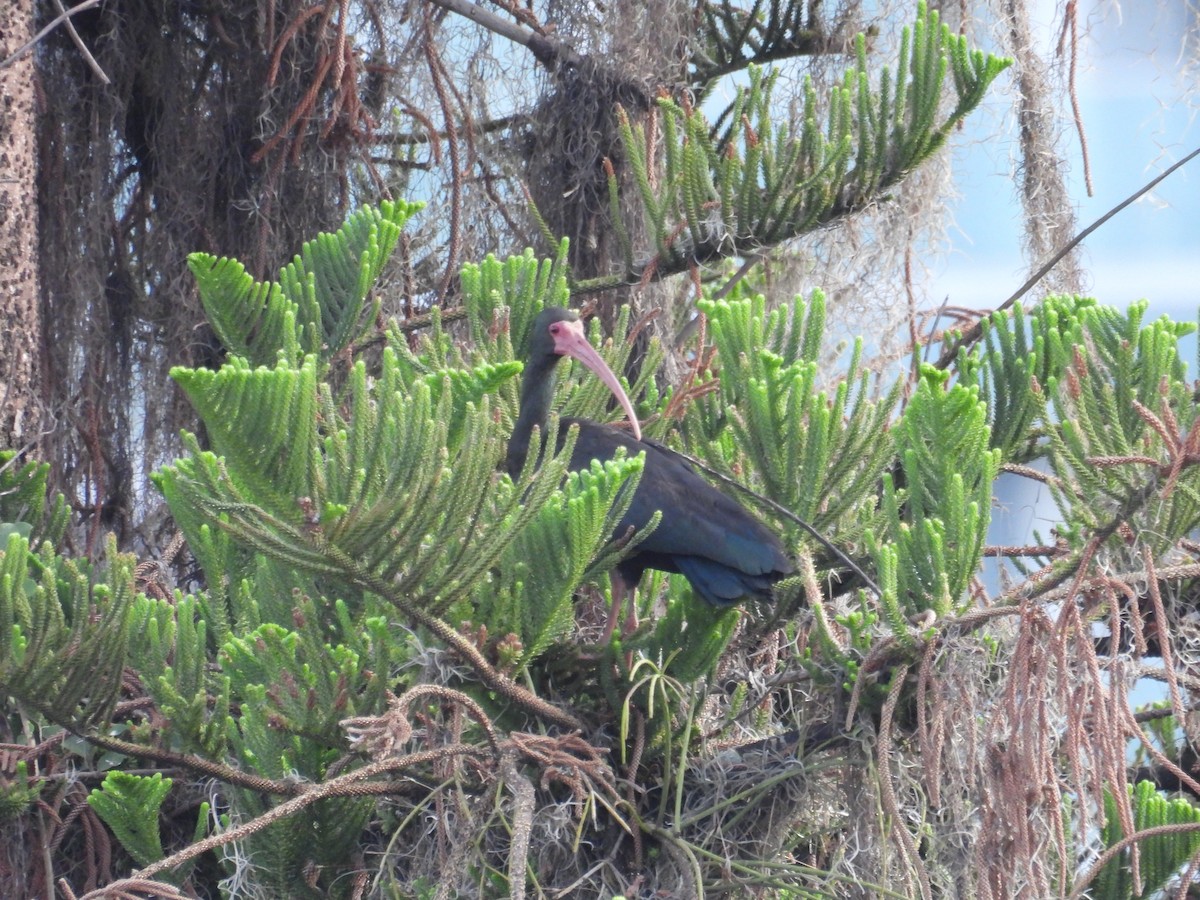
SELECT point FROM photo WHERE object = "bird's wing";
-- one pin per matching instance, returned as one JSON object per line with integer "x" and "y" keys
{"x": 698, "y": 519}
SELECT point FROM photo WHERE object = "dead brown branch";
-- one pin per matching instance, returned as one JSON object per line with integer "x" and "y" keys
{"x": 348, "y": 785}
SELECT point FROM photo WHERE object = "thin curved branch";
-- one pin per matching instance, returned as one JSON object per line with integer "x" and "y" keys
{"x": 345, "y": 785}
{"x": 488, "y": 674}
{"x": 63, "y": 16}
{"x": 975, "y": 332}
{"x": 549, "y": 53}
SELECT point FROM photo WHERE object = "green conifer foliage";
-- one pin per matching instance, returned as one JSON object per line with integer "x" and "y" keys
{"x": 325, "y": 510}
{"x": 130, "y": 805}
{"x": 938, "y": 520}
{"x": 815, "y": 454}
{"x": 172, "y": 653}
{"x": 352, "y": 528}
{"x": 1121, "y": 426}
{"x": 66, "y": 625}
{"x": 382, "y": 634}
{"x": 25, "y": 508}
{"x": 66, "y": 631}
{"x": 758, "y": 180}
{"x": 319, "y": 304}
{"x": 1160, "y": 857}
{"x": 1019, "y": 357}
{"x": 378, "y": 485}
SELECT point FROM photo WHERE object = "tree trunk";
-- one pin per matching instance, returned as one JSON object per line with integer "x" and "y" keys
{"x": 20, "y": 314}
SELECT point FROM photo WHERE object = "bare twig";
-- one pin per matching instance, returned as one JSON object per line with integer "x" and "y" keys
{"x": 195, "y": 764}
{"x": 344, "y": 785}
{"x": 891, "y": 804}
{"x": 522, "y": 825}
{"x": 549, "y": 53}
{"x": 78, "y": 41}
{"x": 436, "y": 73}
{"x": 1009, "y": 552}
{"x": 975, "y": 332}
{"x": 431, "y": 135}
{"x": 53, "y": 23}
{"x": 127, "y": 889}
{"x": 1071, "y": 27}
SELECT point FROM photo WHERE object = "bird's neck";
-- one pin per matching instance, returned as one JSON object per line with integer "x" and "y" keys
{"x": 537, "y": 394}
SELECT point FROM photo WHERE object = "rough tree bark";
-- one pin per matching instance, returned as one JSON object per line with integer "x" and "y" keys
{"x": 20, "y": 315}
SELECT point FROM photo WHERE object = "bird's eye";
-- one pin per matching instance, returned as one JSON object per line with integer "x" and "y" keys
{"x": 556, "y": 328}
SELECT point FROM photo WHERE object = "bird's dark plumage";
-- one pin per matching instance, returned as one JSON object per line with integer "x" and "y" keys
{"x": 713, "y": 541}
{"x": 722, "y": 549}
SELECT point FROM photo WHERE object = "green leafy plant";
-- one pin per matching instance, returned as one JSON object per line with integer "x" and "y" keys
{"x": 379, "y": 612}
{"x": 66, "y": 631}
{"x": 1160, "y": 856}
{"x": 938, "y": 521}
{"x": 319, "y": 305}
{"x": 130, "y": 806}
{"x": 759, "y": 181}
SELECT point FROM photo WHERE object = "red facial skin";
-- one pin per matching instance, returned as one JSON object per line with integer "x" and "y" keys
{"x": 569, "y": 340}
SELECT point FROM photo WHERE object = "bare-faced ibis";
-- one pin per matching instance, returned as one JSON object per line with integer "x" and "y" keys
{"x": 725, "y": 553}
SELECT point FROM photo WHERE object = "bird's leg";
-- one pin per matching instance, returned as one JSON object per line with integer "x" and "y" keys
{"x": 619, "y": 592}
{"x": 631, "y": 617}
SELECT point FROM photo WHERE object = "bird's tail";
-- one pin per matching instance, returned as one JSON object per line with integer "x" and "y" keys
{"x": 722, "y": 586}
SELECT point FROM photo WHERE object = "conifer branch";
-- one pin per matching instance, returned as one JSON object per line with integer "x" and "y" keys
{"x": 351, "y": 784}
{"x": 552, "y": 53}
{"x": 972, "y": 334}
{"x": 492, "y": 678}
{"x": 193, "y": 763}
{"x": 757, "y": 184}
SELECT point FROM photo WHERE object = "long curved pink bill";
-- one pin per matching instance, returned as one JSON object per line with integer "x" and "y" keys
{"x": 571, "y": 341}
